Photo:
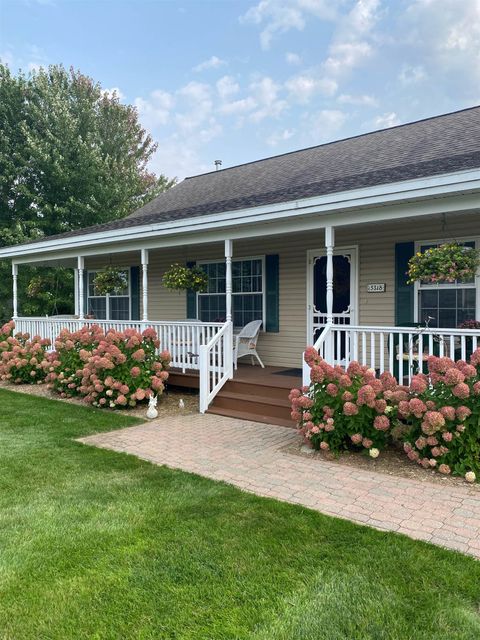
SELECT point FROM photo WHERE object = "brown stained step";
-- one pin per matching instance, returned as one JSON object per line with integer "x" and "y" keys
{"x": 253, "y": 406}
{"x": 234, "y": 396}
{"x": 184, "y": 380}
{"x": 253, "y": 417}
{"x": 256, "y": 389}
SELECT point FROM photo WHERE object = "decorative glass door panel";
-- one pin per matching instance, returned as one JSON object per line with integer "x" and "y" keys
{"x": 344, "y": 265}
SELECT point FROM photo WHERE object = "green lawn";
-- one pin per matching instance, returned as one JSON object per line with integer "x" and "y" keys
{"x": 96, "y": 544}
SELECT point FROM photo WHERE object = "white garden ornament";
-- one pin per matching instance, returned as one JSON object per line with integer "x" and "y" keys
{"x": 152, "y": 412}
{"x": 470, "y": 476}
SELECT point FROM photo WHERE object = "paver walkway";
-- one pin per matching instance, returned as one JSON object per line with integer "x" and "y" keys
{"x": 249, "y": 455}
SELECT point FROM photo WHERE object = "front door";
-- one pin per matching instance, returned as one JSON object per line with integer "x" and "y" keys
{"x": 344, "y": 289}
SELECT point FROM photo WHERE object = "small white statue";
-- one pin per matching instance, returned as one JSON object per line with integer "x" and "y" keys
{"x": 152, "y": 412}
{"x": 181, "y": 404}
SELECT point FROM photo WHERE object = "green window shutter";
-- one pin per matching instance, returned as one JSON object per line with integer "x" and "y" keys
{"x": 135, "y": 292}
{"x": 272, "y": 293}
{"x": 404, "y": 293}
{"x": 191, "y": 298}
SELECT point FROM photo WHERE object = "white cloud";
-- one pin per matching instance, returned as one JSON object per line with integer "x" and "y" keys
{"x": 303, "y": 87}
{"x": 293, "y": 58}
{"x": 280, "y": 136}
{"x": 279, "y": 16}
{"x": 196, "y": 98}
{"x": 350, "y": 46}
{"x": 7, "y": 57}
{"x": 363, "y": 100}
{"x": 227, "y": 87}
{"x": 323, "y": 126}
{"x": 387, "y": 120}
{"x": 265, "y": 92}
{"x": 238, "y": 107}
{"x": 411, "y": 74}
{"x": 447, "y": 34}
{"x": 212, "y": 63}
{"x": 114, "y": 91}
{"x": 155, "y": 110}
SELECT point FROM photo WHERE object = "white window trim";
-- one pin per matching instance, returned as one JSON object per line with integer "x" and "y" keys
{"x": 264, "y": 283}
{"x": 446, "y": 285}
{"x": 109, "y": 295}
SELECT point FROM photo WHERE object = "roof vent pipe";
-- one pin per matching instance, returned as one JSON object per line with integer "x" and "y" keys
{"x": 218, "y": 164}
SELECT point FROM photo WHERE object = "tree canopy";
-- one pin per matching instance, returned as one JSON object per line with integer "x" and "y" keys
{"x": 71, "y": 155}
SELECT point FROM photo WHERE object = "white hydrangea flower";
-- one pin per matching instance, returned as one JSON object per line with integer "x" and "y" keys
{"x": 373, "y": 453}
{"x": 470, "y": 476}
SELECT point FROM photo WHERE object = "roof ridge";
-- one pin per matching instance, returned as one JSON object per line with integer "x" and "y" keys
{"x": 326, "y": 144}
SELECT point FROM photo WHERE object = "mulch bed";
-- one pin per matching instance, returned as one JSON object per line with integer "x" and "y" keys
{"x": 168, "y": 403}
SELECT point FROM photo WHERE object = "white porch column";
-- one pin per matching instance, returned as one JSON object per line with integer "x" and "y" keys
{"x": 81, "y": 301}
{"x": 329, "y": 342}
{"x": 75, "y": 292}
{"x": 228, "y": 305}
{"x": 144, "y": 260}
{"x": 15, "y": 290}
{"x": 329, "y": 244}
{"x": 228, "y": 278}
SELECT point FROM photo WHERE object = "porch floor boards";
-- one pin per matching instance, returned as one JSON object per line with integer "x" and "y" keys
{"x": 256, "y": 394}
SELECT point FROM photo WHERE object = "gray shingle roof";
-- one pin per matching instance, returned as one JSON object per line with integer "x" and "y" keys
{"x": 441, "y": 144}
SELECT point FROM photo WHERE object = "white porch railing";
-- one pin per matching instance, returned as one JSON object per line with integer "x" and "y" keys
{"x": 402, "y": 351}
{"x": 216, "y": 365}
{"x": 201, "y": 346}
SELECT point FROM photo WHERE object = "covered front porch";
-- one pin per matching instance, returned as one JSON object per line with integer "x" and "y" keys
{"x": 341, "y": 287}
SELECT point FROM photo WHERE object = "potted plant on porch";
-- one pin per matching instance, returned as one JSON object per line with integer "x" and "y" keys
{"x": 183, "y": 278}
{"x": 445, "y": 263}
{"x": 111, "y": 280}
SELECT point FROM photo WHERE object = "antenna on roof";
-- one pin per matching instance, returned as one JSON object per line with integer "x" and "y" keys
{"x": 218, "y": 164}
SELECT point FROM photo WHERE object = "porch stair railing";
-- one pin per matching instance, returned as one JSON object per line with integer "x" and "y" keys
{"x": 402, "y": 351}
{"x": 216, "y": 365}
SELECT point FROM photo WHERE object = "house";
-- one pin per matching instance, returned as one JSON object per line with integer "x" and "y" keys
{"x": 315, "y": 243}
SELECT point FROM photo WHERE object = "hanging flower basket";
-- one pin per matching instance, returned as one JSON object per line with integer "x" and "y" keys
{"x": 110, "y": 281}
{"x": 181, "y": 278}
{"x": 446, "y": 263}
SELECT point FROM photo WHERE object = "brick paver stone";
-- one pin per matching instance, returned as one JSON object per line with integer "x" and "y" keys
{"x": 250, "y": 455}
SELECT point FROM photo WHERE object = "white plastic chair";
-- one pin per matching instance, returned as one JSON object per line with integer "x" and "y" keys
{"x": 245, "y": 342}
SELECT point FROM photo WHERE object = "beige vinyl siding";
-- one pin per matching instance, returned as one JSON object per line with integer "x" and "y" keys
{"x": 376, "y": 258}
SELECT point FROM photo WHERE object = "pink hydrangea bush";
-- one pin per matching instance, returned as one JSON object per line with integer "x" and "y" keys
{"x": 443, "y": 413}
{"x": 115, "y": 370}
{"x": 66, "y": 363}
{"x": 345, "y": 408}
{"x": 23, "y": 359}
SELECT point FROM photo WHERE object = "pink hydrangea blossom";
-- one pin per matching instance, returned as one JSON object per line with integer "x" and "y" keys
{"x": 381, "y": 423}
{"x": 350, "y": 409}
{"x": 461, "y": 390}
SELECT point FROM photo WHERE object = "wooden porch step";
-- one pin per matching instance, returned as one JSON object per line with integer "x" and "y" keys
{"x": 256, "y": 394}
{"x": 257, "y": 401}
{"x": 187, "y": 380}
{"x": 254, "y": 417}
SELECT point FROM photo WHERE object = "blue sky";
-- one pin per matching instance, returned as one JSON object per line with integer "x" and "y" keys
{"x": 240, "y": 80}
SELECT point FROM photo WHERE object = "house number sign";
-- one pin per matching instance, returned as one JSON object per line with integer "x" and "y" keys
{"x": 377, "y": 287}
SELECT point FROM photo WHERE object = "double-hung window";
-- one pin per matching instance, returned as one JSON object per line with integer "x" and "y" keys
{"x": 112, "y": 306}
{"x": 446, "y": 305}
{"x": 248, "y": 289}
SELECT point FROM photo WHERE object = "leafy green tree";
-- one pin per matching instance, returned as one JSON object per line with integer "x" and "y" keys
{"x": 70, "y": 156}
